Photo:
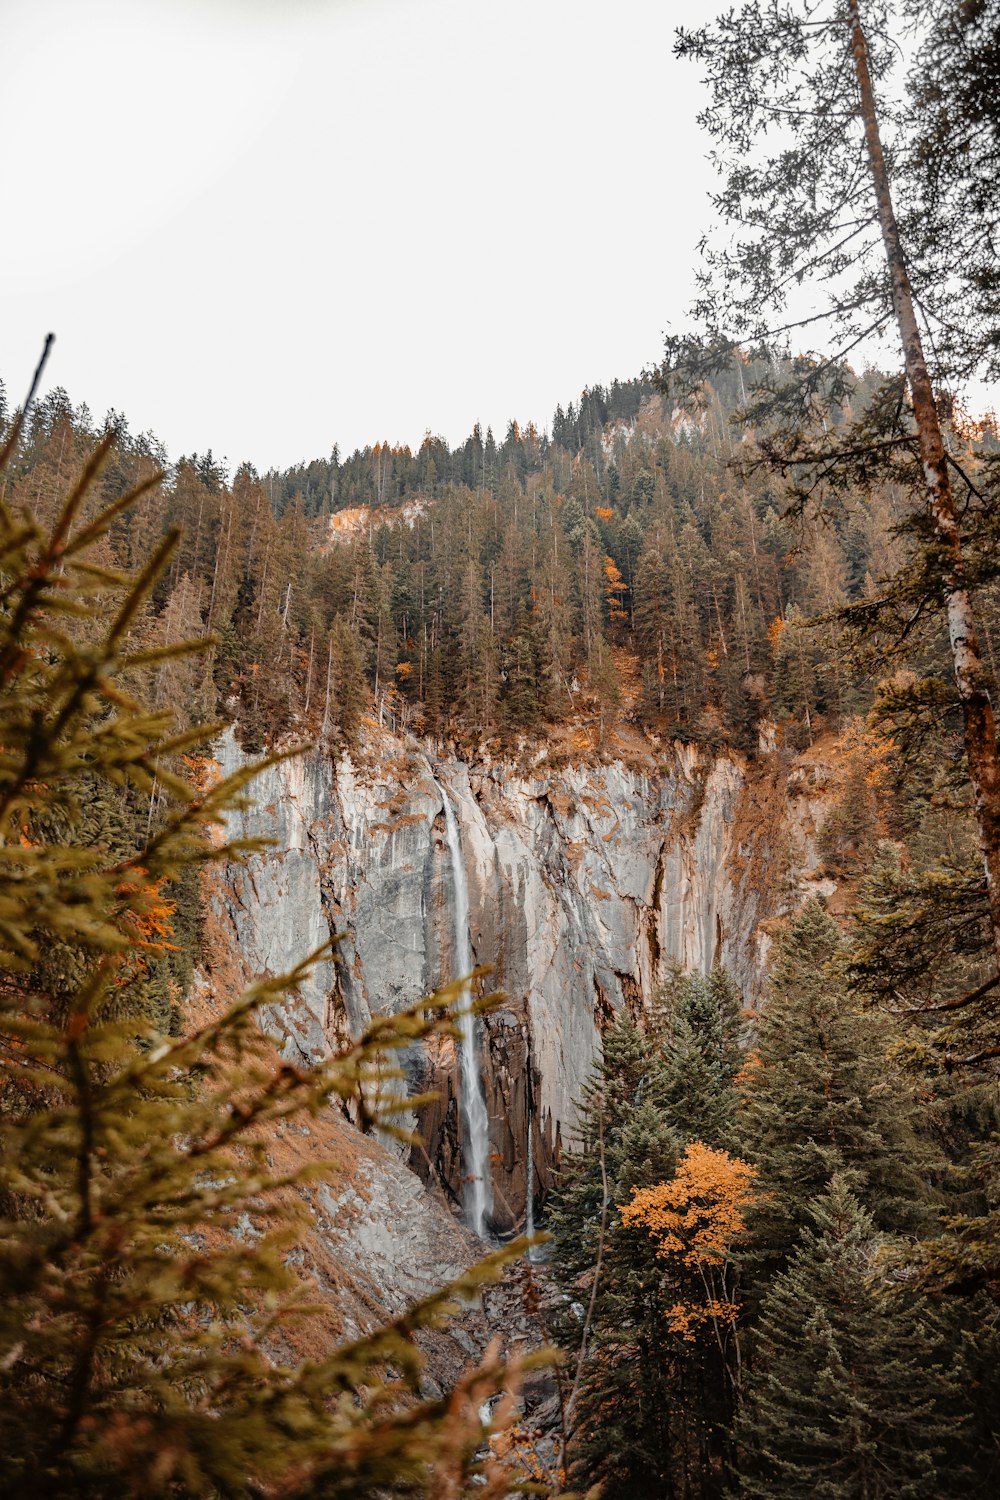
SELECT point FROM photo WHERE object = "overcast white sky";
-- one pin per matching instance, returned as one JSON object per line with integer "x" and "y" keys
{"x": 264, "y": 226}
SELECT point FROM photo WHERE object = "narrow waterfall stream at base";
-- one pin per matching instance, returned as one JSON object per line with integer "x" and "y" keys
{"x": 529, "y": 1202}
{"x": 472, "y": 1100}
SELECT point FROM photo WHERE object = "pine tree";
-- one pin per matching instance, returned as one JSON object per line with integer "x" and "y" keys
{"x": 851, "y": 1392}
{"x": 654, "y": 632}
{"x": 520, "y": 699}
{"x": 820, "y": 1098}
{"x": 605, "y": 1110}
{"x": 470, "y": 638}
{"x": 622, "y": 1408}
{"x": 346, "y": 693}
{"x": 184, "y": 684}
{"x": 793, "y": 676}
{"x": 603, "y": 675}
{"x": 377, "y": 626}
{"x": 699, "y": 1056}
{"x": 653, "y": 1406}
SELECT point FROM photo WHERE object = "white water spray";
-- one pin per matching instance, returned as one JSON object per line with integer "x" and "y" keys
{"x": 475, "y": 1121}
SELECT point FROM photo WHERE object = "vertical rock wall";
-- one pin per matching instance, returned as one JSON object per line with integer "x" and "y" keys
{"x": 584, "y": 883}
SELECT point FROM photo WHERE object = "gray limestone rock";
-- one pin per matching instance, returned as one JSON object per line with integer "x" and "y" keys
{"x": 585, "y": 883}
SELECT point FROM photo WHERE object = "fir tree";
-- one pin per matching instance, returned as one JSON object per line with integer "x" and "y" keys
{"x": 819, "y": 1096}
{"x": 699, "y": 1055}
{"x": 851, "y": 1392}
{"x": 346, "y": 690}
{"x": 652, "y": 1406}
{"x": 619, "y": 1423}
{"x": 520, "y": 700}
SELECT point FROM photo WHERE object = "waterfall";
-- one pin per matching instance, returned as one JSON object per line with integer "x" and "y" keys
{"x": 529, "y": 1206}
{"x": 475, "y": 1121}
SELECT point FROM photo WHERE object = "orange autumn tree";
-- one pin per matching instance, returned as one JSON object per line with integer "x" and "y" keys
{"x": 696, "y": 1219}
{"x": 146, "y": 921}
{"x": 614, "y": 590}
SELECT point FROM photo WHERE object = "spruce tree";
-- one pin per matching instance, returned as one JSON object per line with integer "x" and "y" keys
{"x": 590, "y": 1170}
{"x": 653, "y": 1407}
{"x": 819, "y": 1097}
{"x": 623, "y": 1422}
{"x": 520, "y": 699}
{"x": 346, "y": 696}
{"x": 698, "y": 1055}
{"x": 851, "y": 1392}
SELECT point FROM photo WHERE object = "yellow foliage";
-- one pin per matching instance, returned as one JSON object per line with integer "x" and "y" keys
{"x": 203, "y": 772}
{"x": 613, "y": 590}
{"x": 973, "y": 429}
{"x": 700, "y": 1213}
{"x": 867, "y": 744}
{"x": 686, "y": 1318}
{"x": 147, "y": 918}
{"x": 696, "y": 1219}
{"x": 519, "y": 1447}
{"x": 866, "y": 773}
{"x": 148, "y": 924}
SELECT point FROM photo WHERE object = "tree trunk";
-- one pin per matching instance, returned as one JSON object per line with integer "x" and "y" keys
{"x": 977, "y": 710}
{"x": 309, "y": 670}
{"x": 325, "y": 728}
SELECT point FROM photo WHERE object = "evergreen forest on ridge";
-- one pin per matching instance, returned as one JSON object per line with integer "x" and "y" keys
{"x": 496, "y": 589}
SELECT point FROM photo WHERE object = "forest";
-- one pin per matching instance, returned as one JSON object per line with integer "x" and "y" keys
{"x": 495, "y": 590}
{"x": 770, "y": 1263}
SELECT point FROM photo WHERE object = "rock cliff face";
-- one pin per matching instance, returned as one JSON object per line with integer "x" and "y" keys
{"x": 375, "y": 1240}
{"x": 585, "y": 882}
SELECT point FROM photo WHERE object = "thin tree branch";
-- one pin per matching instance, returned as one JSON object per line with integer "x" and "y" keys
{"x": 19, "y": 420}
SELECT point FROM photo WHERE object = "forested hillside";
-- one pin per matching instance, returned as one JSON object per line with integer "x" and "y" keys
{"x": 675, "y": 718}
{"x": 619, "y": 562}
{"x": 630, "y": 580}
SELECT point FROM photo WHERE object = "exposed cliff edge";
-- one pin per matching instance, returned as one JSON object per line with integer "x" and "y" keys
{"x": 585, "y": 882}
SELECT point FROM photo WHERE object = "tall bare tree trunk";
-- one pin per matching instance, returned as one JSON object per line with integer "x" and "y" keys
{"x": 325, "y": 727}
{"x": 309, "y": 669}
{"x": 977, "y": 710}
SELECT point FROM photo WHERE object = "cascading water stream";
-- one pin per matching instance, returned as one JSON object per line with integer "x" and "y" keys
{"x": 529, "y": 1205}
{"x": 475, "y": 1121}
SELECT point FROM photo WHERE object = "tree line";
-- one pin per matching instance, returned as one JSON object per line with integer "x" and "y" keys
{"x": 634, "y": 573}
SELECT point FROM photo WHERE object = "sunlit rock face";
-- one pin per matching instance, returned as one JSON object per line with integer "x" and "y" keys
{"x": 585, "y": 883}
